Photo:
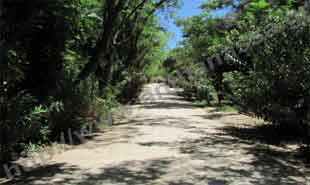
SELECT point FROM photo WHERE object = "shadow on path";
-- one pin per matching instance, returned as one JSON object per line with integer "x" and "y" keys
{"x": 200, "y": 150}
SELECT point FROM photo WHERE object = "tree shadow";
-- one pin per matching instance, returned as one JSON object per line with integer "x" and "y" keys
{"x": 266, "y": 133}
{"x": 231, "y": 156}
{"x": 117, "y": 135}
{"x": 265, "y": 165}
{"x": 129, "y": 173}
{"x": 217, "y": 115}
{"x": 180, "y": 182}
{"x": 166, "y": 121}
{"x": 154, "y": 143}
{"x": 169, "y": 105}
{"x": 249, "y": 162}
{"x": 43, "y": 174}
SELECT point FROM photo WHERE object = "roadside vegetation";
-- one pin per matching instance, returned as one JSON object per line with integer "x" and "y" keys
{"x": 254, "y": 57}
{"x": 67, "y": 64}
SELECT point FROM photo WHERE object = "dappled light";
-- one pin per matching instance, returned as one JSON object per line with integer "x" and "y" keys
{"x": 155, "y": 92}
{"x": 203, "y": 149}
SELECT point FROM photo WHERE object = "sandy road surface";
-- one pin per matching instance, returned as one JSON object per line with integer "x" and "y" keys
{"x": 168, "y": 141}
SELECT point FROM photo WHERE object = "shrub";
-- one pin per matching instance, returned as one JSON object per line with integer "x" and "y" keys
{"x": 277, "y": 89}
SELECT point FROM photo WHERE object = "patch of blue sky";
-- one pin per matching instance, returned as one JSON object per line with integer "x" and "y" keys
{"x": 189, "y": 8}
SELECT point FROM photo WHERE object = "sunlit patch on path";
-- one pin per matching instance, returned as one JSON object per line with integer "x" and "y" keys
{"x": 169, "y": 141}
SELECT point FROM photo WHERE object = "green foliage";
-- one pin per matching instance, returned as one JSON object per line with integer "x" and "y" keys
{"x": 225, "y": 108}
{"x": 65, "y": 64}
{"x": 267, "y": 71}
{"x": 155, "y": 70}
{"x": 261, "y": 4}
{"x": 189, "y": 76}
{"x": 278, "y": 86}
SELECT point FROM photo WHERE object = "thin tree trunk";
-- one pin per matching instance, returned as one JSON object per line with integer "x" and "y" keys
{"x": 103, "y": 44}
{"x": 4, "y": 156}
{"x": 218, "y": 85}
{"x": 104, "y": 76}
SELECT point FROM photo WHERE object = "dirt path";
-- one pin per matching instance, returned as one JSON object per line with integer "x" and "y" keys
{"x": 166, "y": 140}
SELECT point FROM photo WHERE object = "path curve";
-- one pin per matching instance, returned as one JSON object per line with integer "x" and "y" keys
{"x": 168, "y": 141}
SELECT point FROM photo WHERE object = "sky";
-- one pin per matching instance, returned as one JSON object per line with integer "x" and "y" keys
{"x": 189, "y": 8}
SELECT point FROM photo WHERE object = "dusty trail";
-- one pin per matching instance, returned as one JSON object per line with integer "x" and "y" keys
{"x": 166, "y": 140}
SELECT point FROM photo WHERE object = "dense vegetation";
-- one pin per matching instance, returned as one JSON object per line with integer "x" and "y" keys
{"x": 257, "y": 56}
{"x": 67, "y": 63}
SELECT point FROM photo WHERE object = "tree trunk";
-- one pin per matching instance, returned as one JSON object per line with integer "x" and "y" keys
{"x": 219, "y": 87}
{"x": 4, "y": 155}
{"x": 103, "y": 45}
{"x": 104, "y": 76}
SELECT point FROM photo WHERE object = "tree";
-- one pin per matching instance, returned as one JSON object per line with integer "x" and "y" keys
{"x": 253, "y": 55}
{"x": 62, "y": 62}
{"x": 114, "y": 21}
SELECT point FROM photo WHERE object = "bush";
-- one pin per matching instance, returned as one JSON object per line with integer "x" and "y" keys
{"x": 277, "y": 89}
{"x": 131, "y": 87}
{"x": 23, "y": 122}
{"x": 193, "y": 80}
